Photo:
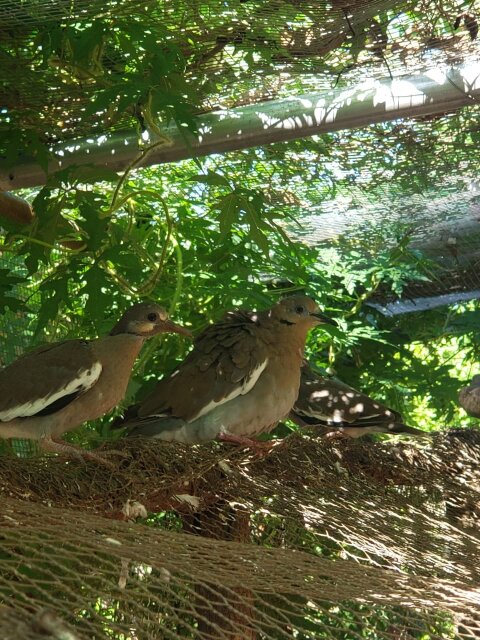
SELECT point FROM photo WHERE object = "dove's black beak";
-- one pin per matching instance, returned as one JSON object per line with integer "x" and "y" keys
{"x": 323, "y": 319}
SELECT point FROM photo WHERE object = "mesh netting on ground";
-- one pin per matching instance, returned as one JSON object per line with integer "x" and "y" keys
{"x": 316, "y": 540}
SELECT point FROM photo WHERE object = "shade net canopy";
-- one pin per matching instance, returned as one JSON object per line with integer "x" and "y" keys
{"x": 58, "y": 57}
{"x": 75, "y": 69}
{"x": 319, "y": 539}
{"x": 83, "y": 70}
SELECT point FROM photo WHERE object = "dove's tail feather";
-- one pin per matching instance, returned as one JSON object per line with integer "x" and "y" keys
{"x": 357, "y": 428}
{"x": 399, "y": 427}
{"x": 150, "y": 426}
{"x": 393, "y": 428}
{"x": 161, "y": 427}
{"x": 169, "y": 428}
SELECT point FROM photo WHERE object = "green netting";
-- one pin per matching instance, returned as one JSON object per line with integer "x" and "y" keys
{"x": 59, "y": 55}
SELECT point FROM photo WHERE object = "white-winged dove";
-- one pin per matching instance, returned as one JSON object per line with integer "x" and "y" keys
{"x": 241, "y": 378}
{"x": 469, "y": 397}
{"x": 340, "y": 409}
{"x": 57, "y": 387}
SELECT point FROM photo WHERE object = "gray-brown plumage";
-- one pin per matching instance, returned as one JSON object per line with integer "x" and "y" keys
{"x": 469, "y": 397}
{"x": 57, "y": 387}
{"x": 241, "y": 378}
{"x": 340, "y": 409}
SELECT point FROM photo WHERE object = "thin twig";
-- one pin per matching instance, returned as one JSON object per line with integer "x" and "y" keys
{"x": 165, "y": 141}
{"x": 155, "y": 277}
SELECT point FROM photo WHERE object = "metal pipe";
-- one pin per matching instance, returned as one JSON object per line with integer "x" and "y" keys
{"x": 434, "y": 91}
{"x": 399, "y": 307}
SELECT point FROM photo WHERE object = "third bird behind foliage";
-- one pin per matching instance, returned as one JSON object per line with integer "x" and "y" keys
{"x": 469, "y": 397}
{"x": 339, "y": 409}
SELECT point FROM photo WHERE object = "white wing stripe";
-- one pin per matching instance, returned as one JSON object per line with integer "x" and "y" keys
{"x": 241, "y": 390}
{"x": 313, "y": 413}
{"x": 85, "y": 379}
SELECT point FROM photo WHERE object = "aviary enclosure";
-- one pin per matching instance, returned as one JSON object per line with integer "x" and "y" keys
{"x": 210, "y": 156}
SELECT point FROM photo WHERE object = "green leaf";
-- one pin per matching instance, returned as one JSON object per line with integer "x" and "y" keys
{"x": 50, "y": 225}
{"x": 358, "y": 42}
{"x": 229, "y": 207}
{"x": 91, "y": 174}
{"x": 258, "y": 236}
{"x": 211, "y": 178}
{"x": 254, "y": 222}
{"x": 96, "y": 228}
{"x": 18, "y": 144}
{"x": 8, "y": 283}
{"x": 85, "y": 42}
{"x": 96, "y": 286}
{"x": 54, "y": 293}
